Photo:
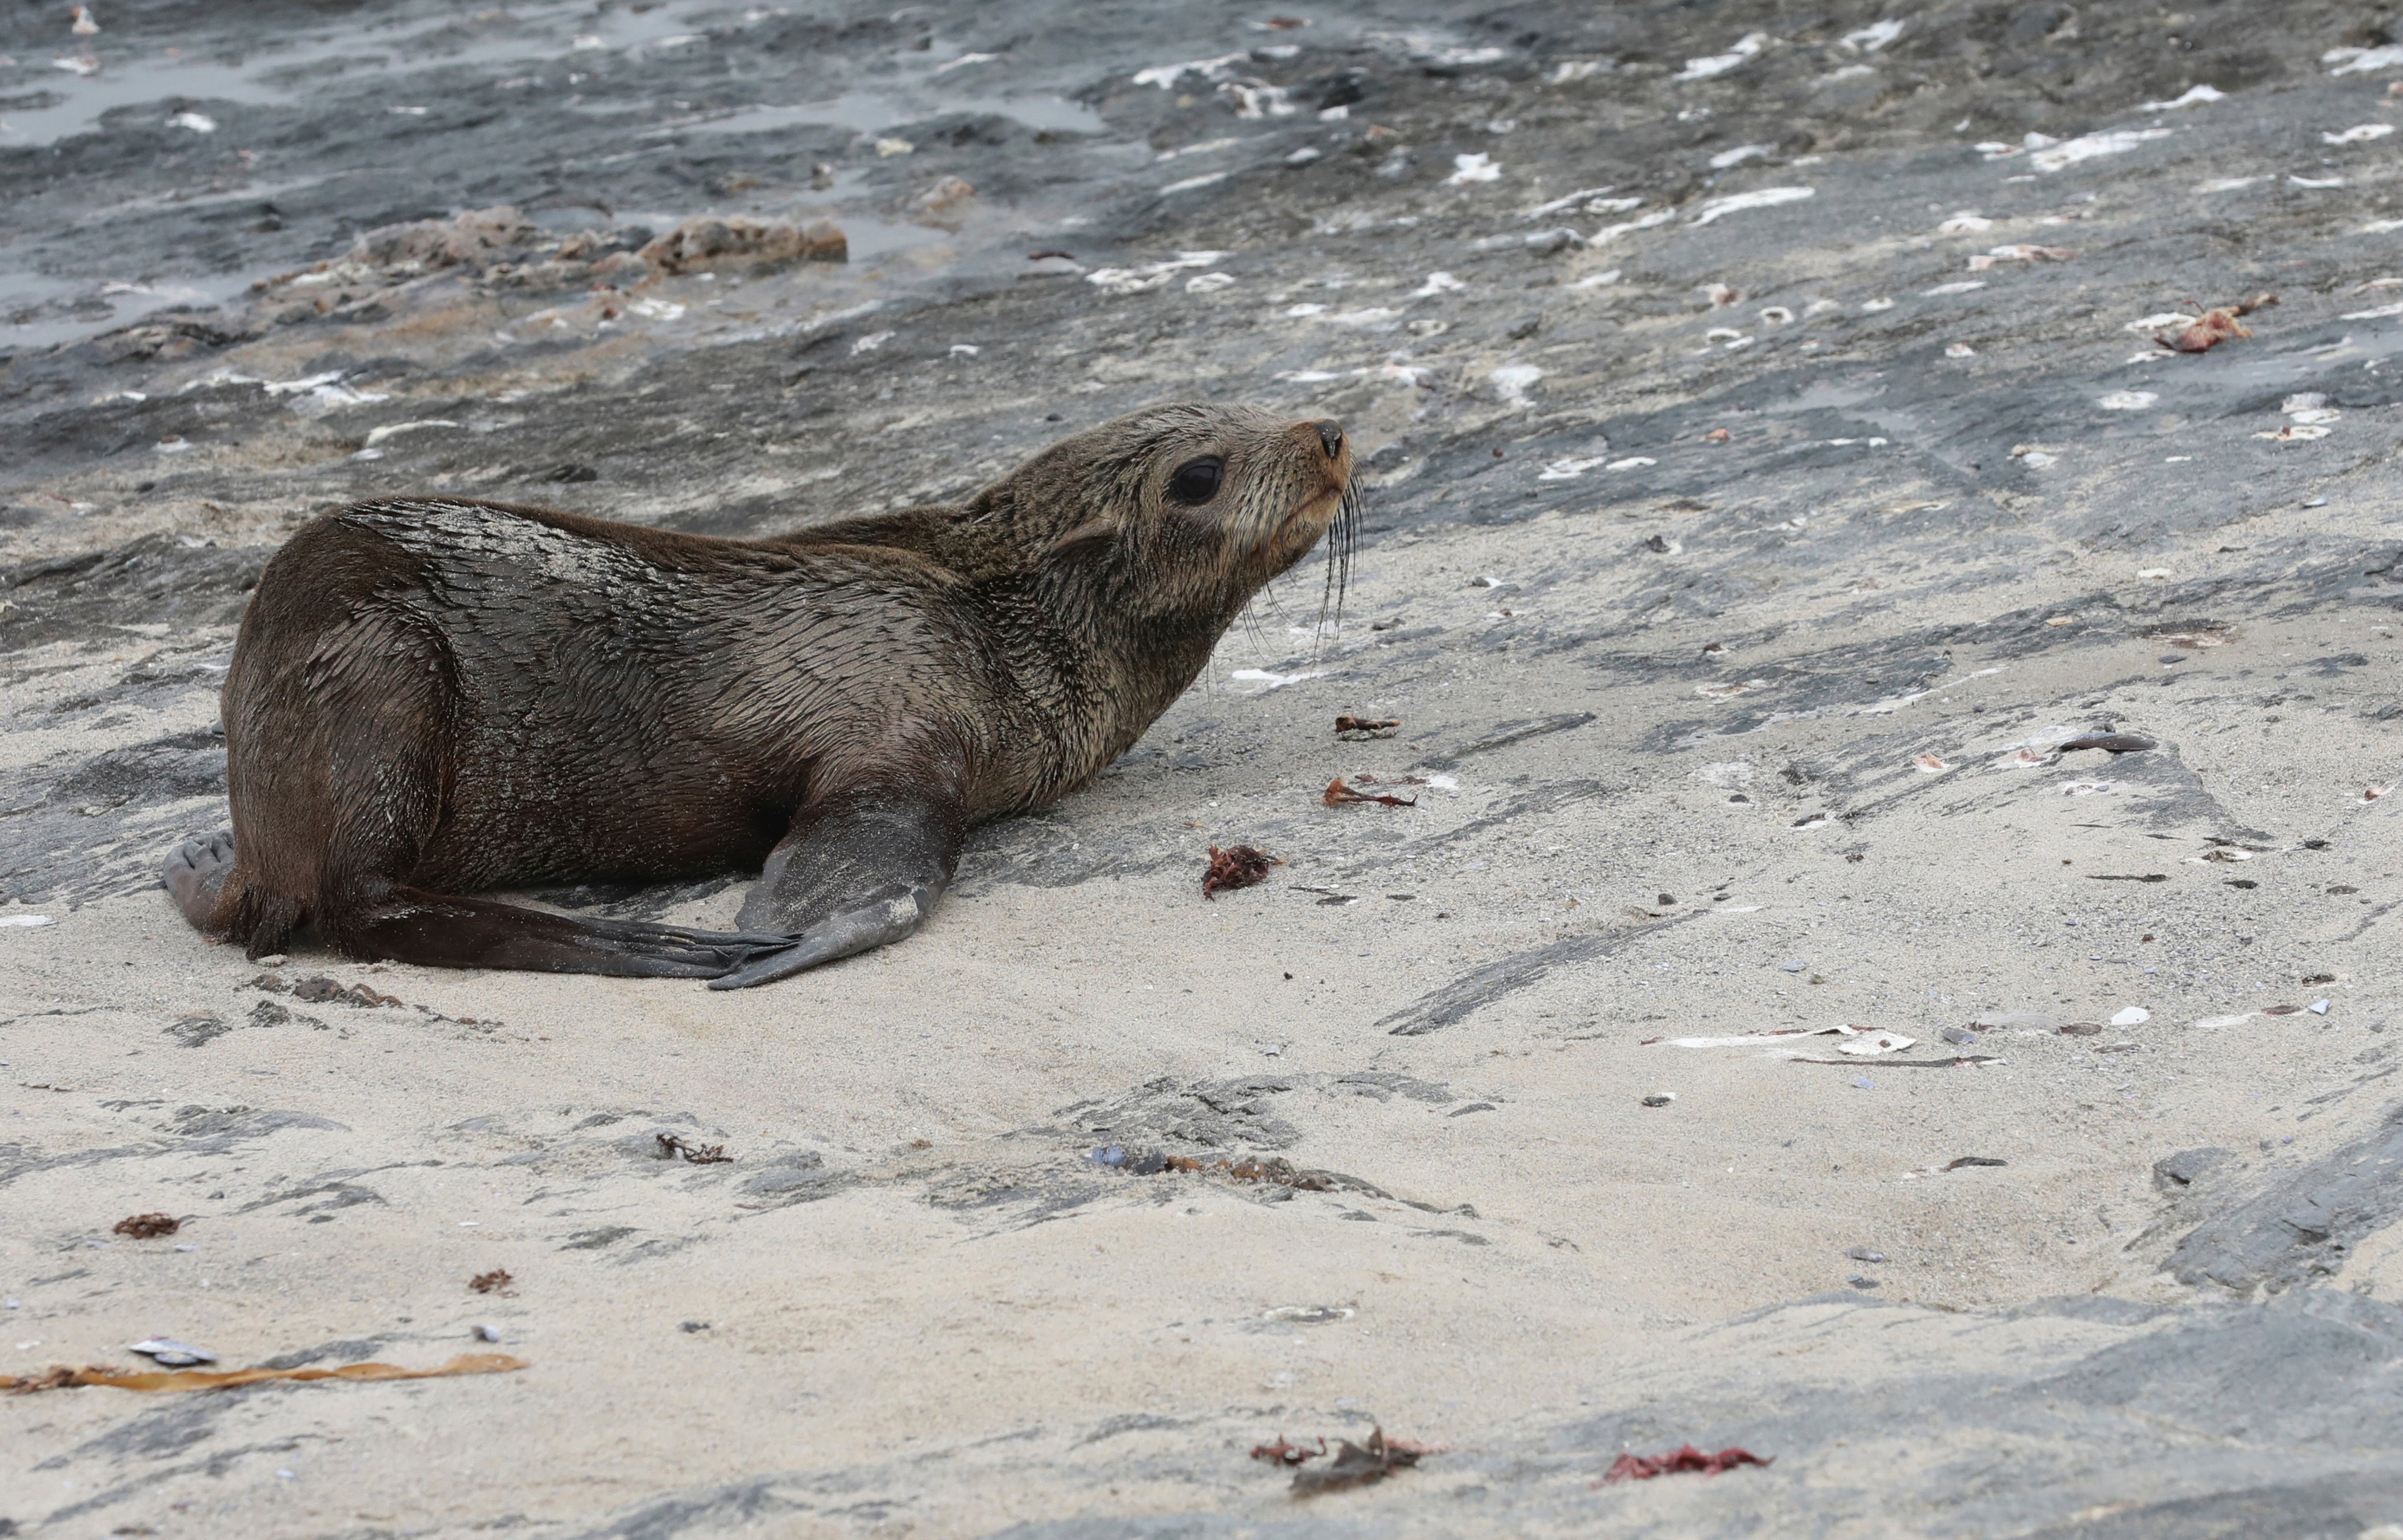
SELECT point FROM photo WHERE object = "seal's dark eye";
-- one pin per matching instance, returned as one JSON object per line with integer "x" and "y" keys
{"x": 1196, "y": 481}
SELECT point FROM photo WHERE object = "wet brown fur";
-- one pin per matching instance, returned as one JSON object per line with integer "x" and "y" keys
{"x": 430, "y": 697}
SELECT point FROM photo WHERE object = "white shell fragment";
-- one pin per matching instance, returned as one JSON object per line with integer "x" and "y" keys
{"x": 174, "y": 1355}
{"x": 1858, "y": 1041}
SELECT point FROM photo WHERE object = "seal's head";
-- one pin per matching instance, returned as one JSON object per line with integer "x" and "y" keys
{"x": 1179, "y": 514}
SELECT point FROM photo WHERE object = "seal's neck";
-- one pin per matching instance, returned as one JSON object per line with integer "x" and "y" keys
{"x": 1109, "y": 671}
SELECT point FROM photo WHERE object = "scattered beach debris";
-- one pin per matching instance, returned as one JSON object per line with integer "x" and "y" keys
{"x": 1276, "y": 1170}
{"x": 1858, "y": 1041}
{"x": 496, "y": 1281}
{"x": 2282, "y": 1010}
{"x": 2018, "y": 253}
{"x": 60, "y": 1378}
{"x": 175, "y": 1355}
{"x": 1284, "y": 1453}
{"x": 1356, "y": 729}
{"x": 1660, "y": 1099}
{"x": 673, "y": 1145}
{"x": 171, "y": 1353}
{"x": 2112, "y": 743}
{"x": 1236, "y": 866}
{"x": 2134, "y": 1015}
{"x": 2081, "y": 1029}
{"x": 1863, "y": 1254}
{"x": 708, "y": 242}
{"x": 147, "y": 1227}
{"x": 2213, "y": 326}
{"x": 1679, "y": 1462}
{"x": 484, "y": 1331}
{"x": 1361, "y": 1464}
{"x": 1975, "y": 1161}
{"x": 1340, "y": 795}
{"x": 323, "y": 990}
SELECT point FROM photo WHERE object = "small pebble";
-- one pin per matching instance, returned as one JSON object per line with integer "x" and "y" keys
{"x": 1863, "y": 1254}
{"x": 1959, "y": 1035}
{"x": 1661, "y": 1098}
{"x": 1859, "y": 1280}
{"x": 486, "y": 1332}
{"x": 1796, "y": 966}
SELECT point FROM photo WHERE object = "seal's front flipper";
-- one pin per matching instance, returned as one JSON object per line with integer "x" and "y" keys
{"x": 855, "y": 872}
{"x": 195, "y": 876}
{"x": 441, "y": 931}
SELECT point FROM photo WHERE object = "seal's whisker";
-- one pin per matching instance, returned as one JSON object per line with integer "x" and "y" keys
{"x": 1343, "y": 539}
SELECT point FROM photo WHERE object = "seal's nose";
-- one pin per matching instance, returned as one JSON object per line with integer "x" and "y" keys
{"x": 1331, "y": 433}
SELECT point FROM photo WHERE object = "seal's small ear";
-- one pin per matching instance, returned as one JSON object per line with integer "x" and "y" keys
{"x": 1087, "y": 539}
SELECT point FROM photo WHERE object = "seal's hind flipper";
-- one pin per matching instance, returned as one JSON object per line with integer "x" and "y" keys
{"x": 441, "y": 931}
{"x": 857, "y": 871}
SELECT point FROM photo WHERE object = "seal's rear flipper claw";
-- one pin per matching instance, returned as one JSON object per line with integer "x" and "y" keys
{"x": 838, "y": 935}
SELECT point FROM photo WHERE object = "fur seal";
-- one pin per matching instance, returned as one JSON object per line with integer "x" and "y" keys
{"x": 428, "y": 696}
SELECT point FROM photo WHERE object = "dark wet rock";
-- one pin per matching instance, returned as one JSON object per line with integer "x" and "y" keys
{"x": 597, "y": 1239}
{"x": 1215, "y": 1115}
{"x": 320, "y": 1201}
{"x": 797, "y": 1175}
{"x": 1481, "y": 987}
{"x": 2303, "y": 1226}
{"x": 1506, "y": 734}
{"x": 152, "y": 580}
{"x": 2175, "y": 1176}
{"x": 194, "y": 1032}
{"x": 1383, "y": 1084}
{"x": 352, "y": 1349}
{"x": 230, "y": 1123}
